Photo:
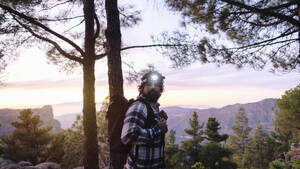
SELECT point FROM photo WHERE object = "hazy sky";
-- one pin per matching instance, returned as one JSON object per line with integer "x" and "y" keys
{"x": 31, "y": 82}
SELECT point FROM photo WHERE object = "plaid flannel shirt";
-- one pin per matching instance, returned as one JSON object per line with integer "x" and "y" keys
{"x": 147, "y": 150}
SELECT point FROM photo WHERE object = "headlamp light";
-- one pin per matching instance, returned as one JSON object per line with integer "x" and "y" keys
{"x": 154, "y": 78}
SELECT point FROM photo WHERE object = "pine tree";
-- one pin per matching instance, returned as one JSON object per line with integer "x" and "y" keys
{"x": 172, "y": 152}
{"x": 240, "y": 140}
{"x": 261, "y": 150}
{"x": 192, "y": 147}
{"x": 29, "y": 141}
{"x": 214, "y": 155}
{"x": 212, "y": 127}
{"x": 288, "y": 118}
{"x": 73, "y": 145}
{"x": 286, "y": 123}
{"x": 254, "y": 32}
{"x": 56, "y": 148}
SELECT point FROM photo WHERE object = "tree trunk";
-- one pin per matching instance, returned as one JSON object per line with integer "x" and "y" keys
{"x": 89, "y": 118}
{"x": 115, "y": 78}
{"x": 113, "y": 36}
{"x": 89, "y": 109}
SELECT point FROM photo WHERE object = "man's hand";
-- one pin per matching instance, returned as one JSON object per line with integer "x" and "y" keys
{"x": 163, "y": 125}
{"x": 164, "y": 114}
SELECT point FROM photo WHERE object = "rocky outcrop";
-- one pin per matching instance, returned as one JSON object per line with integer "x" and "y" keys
{"x": 293, "y": 154}
{"x": 10, "y": 115}
{"x": 28, "y": 165}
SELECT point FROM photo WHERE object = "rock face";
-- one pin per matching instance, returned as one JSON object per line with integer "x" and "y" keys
{"x": 10, "y": 115}
{"x": 293, "y": 154}
{"x": 28, "y": 165}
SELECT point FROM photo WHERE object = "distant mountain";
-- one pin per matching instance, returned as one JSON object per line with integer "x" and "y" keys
{"x": 261, "y": 111}
{"x": 66, "y": 113}
{"x": 70, "y": 108}
{"x": 67, "y": 120}
{"x": 10, "y": 115}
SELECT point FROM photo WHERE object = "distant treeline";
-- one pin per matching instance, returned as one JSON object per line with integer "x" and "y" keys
{"x": 206, "y": 148}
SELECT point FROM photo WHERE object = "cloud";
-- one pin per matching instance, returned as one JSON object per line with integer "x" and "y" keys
{"x": 210, "y": 76}
{"x": 45, "y": 83}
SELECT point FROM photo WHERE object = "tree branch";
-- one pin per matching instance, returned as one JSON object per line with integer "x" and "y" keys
{"x": 74, "y": 26}
{"x": 62, "y": 3}
{"x": 61, "y": 51}
{"x": 262, "y": 25}
{"x": 33, "y": 21}
{"x": 100, "y": 56}
{"x": 265, "y": 11}
{"x": 257, "y": 44}
{"x": 281, "y": 6}
{"x": 59, "y": 19}
{"x": 149, "y": 46}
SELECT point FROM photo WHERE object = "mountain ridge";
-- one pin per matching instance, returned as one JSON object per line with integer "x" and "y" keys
{"x": 261, "y": 111}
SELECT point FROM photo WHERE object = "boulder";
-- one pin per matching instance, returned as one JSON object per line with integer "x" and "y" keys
{"x": 11, "y": 166}
{"x": 24, "y": 163}
{"x": 48, "y": 165}
{"x": 81, "y": 167}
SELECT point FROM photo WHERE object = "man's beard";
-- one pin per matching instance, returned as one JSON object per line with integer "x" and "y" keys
{"x": 152, "y": 96}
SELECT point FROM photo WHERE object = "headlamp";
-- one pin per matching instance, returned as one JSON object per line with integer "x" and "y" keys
{"x": 153, "y": 78}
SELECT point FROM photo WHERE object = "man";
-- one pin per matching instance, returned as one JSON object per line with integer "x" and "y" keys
{"x": 145, "y": 134}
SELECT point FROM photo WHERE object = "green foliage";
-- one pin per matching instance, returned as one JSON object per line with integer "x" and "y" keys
{"x": 192, "y": 147}
{"x": 287, "y": 121}
{"x": 73, "y": 145}
{"x": 289, "y": 115}
{"x": 212, "y": 127}
{"x": 73, "y": 148}
{"x": 279, "y": 165}
{"x": 172, "y": 152}
{"x": 210, "y": 155}
{"x": 296, "y": 164}
{"x": 213, "y": 154}
{"x": 284, "y": 165}
{"x": 253, "y": 33}
{"x": 261, "y": 149}
{"x": 56, "y": 148}
{"x": 239, "y": 142}
{"x": 198, "y": 165}
{"x": 29, "y": 141}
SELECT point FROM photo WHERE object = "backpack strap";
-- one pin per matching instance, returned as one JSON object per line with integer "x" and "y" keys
{"x": 150, "y": 113}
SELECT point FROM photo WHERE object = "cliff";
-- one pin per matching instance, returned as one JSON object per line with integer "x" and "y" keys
{"x": 10, "y": 115}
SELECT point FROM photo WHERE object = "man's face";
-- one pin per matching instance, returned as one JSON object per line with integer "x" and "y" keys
{"x": 151, "y": 92}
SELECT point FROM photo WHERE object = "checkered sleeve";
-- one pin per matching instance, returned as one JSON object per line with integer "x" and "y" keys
{"x": 134, "y": 121}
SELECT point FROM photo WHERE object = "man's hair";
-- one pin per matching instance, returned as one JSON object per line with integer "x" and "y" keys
{"x": 146, "y": 78}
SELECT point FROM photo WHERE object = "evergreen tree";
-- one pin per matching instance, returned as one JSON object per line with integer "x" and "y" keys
{"x": 192, "y": 147}
{"x": 214, "y": 155}
{"x": 56, "y": 148}
{"x": 288, "y": 118}
{"x": 254, "y": 32}
{"x": 73, "y": 145}
{"x": 261, "y": 150}
{"x": 286, "y": 123}
{"x": 211, "y": 131}
{"x": 240, "y": 140}
{"x": 29, "y": 141}
{"x": 172, "y": 153}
